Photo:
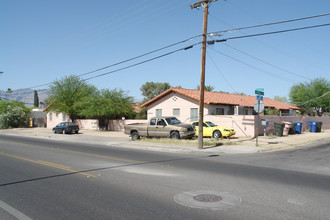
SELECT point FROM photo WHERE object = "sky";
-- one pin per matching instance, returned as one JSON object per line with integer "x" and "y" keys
{"x": 43, "y": 41}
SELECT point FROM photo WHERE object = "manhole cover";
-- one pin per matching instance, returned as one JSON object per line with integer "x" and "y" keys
{"x": 207, "y": 199}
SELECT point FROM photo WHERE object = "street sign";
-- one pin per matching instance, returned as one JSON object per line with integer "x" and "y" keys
{"x": 261, "y": 107}
{"x": 260, "y": 97}
{"x": 259, "y": 91}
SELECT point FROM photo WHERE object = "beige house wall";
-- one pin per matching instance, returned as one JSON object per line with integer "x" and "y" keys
{"x": 174, "y": 101}
{"x": 54, "y": 118}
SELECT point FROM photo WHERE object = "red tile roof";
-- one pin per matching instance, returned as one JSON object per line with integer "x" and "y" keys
{"x": 223, "y": 98}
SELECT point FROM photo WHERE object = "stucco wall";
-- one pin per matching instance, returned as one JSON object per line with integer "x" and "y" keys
{"x": 118, "y": 125}
{"x": 87, "y": 124}
{"x": 243, "y": 124}
{"x": 174, "y": 101}
{"x": 54, "y": 118}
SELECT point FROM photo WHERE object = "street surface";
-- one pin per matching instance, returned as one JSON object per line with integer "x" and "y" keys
{"x": 45, "y": 179}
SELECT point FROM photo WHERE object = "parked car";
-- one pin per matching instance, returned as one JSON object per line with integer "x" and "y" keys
{"x": 160, "y": 127}
{"x": 66, "y": 128}
{"x": 212, "y": 130}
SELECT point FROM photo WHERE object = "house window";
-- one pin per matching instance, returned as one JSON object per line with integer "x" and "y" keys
{"x": 219, "y": 111}
{"x": 246, "y": 112}
{"x": 63, "y": 116}
{"x": 56, "y": 115}
{"x": 176, "y": 111}
{"x": 50, "y": 116}
{"x": 159, "y": 113}
{"x": 193, "y": 114}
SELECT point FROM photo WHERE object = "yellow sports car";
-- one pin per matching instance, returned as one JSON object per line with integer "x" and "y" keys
{"x": 212, "y": 130}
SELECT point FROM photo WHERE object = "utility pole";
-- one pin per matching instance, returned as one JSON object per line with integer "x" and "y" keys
{"x": 205, "y": 4}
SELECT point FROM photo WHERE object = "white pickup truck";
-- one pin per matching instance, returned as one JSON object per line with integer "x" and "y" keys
{"x": 160, "y": 127}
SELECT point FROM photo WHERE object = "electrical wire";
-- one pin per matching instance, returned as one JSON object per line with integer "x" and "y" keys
{"x": 125, "y": 61}
{"x": 303, "y": 103}
{"x": 220, "y": 72}
{"x": 142, "y": 62}
{"x": 252, "y": 66}
{"x": 278, "y": 32}
{"x": 268, "y": 24}
{"x": 265, "y": 62}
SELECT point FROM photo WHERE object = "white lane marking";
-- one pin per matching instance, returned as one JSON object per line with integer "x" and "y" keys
{"x": 19, "y": 215}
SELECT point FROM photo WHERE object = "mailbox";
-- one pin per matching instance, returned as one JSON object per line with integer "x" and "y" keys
{"x": 265, "y": 122}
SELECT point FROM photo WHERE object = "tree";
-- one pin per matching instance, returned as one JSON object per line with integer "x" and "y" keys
{"x": 312, "y": 95}
{"x": 66, "y": 95}
{"x": 207, "y": 88}
{"x": 281, "y": 99}
{"x": 108, "y": 104}
{"x": 36, "y": 99}
{"x": 150, "y": 89}
{"x": 4, "y": 106}
{"x": 13, "y": 114}
{"x": 9, "y": 91}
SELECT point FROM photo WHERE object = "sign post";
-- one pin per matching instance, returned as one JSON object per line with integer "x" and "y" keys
{"x": 258, "y": 107}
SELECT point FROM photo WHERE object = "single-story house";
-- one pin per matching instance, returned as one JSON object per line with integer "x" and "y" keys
{"x": 184, "y": 104}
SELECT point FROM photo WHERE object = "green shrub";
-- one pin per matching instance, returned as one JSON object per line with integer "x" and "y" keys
{"x": 14, "y": 117}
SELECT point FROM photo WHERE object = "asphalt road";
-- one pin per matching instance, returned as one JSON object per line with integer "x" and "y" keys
{"x": 44, "y": 179}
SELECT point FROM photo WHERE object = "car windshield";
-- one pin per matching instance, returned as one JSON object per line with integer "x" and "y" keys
{"x": 173, "y": 121}
{"x": 210, "y": 124}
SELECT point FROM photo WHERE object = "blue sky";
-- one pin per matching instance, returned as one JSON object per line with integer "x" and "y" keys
{"x": 42, "y": 41}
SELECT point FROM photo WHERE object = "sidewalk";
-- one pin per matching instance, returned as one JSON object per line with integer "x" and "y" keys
{"x": 119, "y": 139}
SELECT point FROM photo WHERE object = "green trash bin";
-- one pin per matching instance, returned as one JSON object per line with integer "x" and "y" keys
{"x": 279, "y": 128}
{"x": 318, "y": 126}
{"x": 293, "y": 128}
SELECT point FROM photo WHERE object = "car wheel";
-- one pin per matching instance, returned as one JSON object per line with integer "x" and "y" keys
{"x": 175, "y": 135}
{"x": 63, "y": 132}
{"x": 76, "y": 132}
{"x": 135, "y": 136}
{"x": 217, "y": 134}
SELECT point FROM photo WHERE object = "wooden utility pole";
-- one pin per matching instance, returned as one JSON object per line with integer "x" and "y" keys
{"x": 205, "y": 4}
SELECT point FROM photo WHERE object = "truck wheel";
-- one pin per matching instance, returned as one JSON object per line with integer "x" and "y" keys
{"x": 217, "y": 134}
{"x": 135, "y": 136}
{"x": 175, "y": 135}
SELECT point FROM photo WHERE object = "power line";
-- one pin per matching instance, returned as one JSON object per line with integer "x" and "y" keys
{"x": 189, "y": 39}
{"x": 142, "y": 62}
{"x": 300, "y": 104}
{"x": 272, "y": 23}
{"x": 125, "y": 61}
{"x": 221, "y": 72}
{"x": 254, "y": 67}
{"x": 142, "y": 55}
{"x": 249, "y": 55}
{"x": 277, "y": 32}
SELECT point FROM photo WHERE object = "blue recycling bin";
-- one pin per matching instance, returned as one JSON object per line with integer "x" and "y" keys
{"x": 313, "y": 126}
{"x": 298, "y": 127}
